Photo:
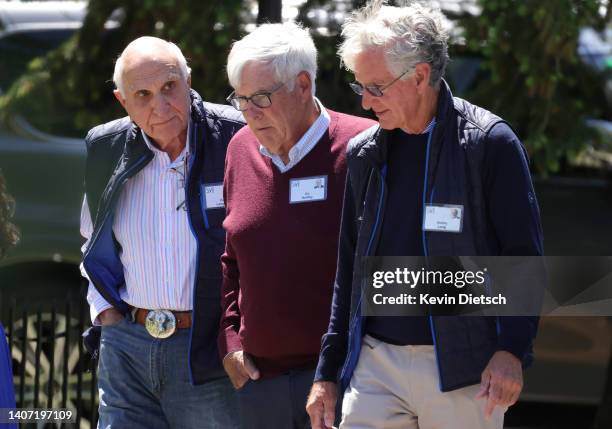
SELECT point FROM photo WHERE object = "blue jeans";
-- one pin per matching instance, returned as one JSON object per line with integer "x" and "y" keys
{"x": 143, "y": 382}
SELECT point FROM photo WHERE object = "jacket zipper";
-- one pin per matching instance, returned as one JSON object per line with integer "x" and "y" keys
{"x": 425, "y": 247}
{"x": 356, "y": 316}
{"x": 197, "y": 267}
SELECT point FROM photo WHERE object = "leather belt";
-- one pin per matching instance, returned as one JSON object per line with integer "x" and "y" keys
{"x": 162, "y": 323}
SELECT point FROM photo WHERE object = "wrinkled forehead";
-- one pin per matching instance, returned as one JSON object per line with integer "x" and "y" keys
{"x": 370, "y": 65}
{"x": 256, "y": 77}
{"x": 148, "y": 72}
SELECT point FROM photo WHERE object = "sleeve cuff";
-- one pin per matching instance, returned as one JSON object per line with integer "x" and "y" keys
{"x": 325, "y": 371}
{"x": 518, "y": 346}
{"x": 229, "y": 342}
{"x": 321, "y": 375}
{"x": 97, "y": 304}
{"x": 517, "y": 353}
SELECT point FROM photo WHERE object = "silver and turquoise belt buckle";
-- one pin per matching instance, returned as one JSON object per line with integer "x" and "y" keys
{"x": 160, "y": 323}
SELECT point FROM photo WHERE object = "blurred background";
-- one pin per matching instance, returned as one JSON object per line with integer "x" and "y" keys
{"x": 545, "y": 66}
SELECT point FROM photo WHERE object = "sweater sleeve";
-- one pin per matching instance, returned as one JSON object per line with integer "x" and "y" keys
{"x": 515, "y": 216}
{"x": 335, "y": 342}
{"x": 228, "y": 340}
{"x": 230, "y": 312}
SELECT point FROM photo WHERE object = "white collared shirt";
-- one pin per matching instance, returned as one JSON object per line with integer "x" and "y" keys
{"x": 158, "y": 249}
{"x": 304, "y": 145}
{"x": 429, "y": 128}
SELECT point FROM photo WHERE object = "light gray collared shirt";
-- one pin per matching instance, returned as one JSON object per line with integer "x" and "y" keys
{"x": 304, "y": 145}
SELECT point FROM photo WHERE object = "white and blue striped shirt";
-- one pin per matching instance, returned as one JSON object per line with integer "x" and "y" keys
{"x": 304, "y": 145}
{"x": 158, "y": 249}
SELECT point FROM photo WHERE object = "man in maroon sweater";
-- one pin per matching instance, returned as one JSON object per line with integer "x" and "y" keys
{"x": 284, "y": 179}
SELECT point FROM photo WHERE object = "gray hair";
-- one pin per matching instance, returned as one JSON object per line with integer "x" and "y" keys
{"x": 410, "y": 35}
{"x": 174, "y": 49}
{"x": 287, "y": 48}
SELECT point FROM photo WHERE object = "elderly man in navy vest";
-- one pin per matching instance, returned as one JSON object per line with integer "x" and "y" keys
{"x": 423, "y": 372}
{"x": 152, "y": 216}
{"x": 284, "y": 180}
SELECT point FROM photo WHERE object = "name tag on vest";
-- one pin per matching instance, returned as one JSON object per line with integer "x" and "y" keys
{"x": 307, "y": 189}
{"x": 213, "y": 195}
{"x": 443, "y": 218}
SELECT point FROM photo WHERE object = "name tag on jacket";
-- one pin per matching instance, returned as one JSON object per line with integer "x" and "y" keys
{"x": 213, "y": 195}
{"x": 443, "y": 217}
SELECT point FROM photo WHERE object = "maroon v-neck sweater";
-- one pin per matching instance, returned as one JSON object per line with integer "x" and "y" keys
{"x": 280, "y": 258}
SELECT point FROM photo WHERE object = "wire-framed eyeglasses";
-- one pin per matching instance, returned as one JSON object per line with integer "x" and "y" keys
{"x": 374, "y": 90}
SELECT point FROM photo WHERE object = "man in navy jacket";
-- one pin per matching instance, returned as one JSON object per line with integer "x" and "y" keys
{"x": 430, "y": 150}
{"x": 152, "y": 218}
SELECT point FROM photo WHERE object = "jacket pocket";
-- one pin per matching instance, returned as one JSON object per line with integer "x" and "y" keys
{"x": 370, "y": 342}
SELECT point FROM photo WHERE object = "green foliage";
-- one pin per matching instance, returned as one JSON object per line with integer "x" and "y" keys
{"x": 532, "y": 75}
{"x": 70, "y": 90}
{"x": 333, "y": 81}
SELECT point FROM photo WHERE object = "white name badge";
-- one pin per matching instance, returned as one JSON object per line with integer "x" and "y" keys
{"x": 307, "y": 189}
{"x": 213, "y": 193}
{"x": 443, "y": 217}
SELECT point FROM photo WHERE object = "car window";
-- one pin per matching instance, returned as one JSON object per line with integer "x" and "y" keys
{"x": 18, "y": 49}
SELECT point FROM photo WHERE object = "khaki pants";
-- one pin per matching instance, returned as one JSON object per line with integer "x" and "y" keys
{"x": 397, "y": 387}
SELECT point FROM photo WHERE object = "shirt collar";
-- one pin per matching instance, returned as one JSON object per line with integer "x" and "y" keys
{"x": 305, "y": 143}
{"x": 427, "y": 129}
{"x": 157, "y": 152}
{"x": 429, "y": 126}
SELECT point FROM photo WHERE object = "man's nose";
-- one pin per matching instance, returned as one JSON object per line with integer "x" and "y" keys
{"x": 366, "y": 100}
{"x": 161, "y": 104}
{"x": 252, "y": 111}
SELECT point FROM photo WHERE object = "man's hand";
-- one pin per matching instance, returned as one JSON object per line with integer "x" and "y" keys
{"x": 240, "y": 367}
{"x": 110, "y": 317}
{"x": 501, "y": 382}
{"x": 321, "y": 404}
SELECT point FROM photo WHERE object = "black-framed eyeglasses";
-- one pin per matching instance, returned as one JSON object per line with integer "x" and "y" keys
{"x": 374, "y": 90}
{"x": 260, "y": 99}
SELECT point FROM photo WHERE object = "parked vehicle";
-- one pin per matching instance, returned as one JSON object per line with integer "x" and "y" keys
{"x": 44, "y": 174}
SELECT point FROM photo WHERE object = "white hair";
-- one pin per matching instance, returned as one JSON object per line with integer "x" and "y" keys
{"x": 409, "y": 35}
{"x": 149, "y": 41}
{"x": 287, "y": 48}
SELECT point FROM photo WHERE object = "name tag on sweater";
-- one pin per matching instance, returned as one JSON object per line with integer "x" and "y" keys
{"x": 443, "y": 217}
{"x": 307, "y": 189}
{"x": 213, "y": 193}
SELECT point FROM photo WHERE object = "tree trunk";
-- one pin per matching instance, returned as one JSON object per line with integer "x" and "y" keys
{"x": 269, "y": 11}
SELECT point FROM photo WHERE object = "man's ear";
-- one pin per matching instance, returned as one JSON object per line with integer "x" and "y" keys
{"x": 189, "y": 80}
{"x": 304, "y": 83}
{"x": 119, "y": 97}
{"x": 422, "y": 73}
